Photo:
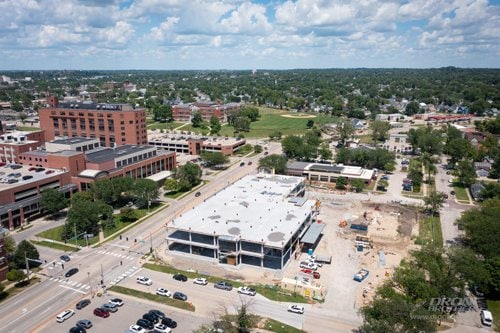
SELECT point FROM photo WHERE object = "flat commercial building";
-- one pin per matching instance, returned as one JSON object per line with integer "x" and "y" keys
{"x": 195, "y": 144}
{"x": 327, "y": 172}
{"x": 111, "y": 124}
{"x": 257, "y": 221}
{"x": 14, "y": 143}
{"x": 185, "y": 112}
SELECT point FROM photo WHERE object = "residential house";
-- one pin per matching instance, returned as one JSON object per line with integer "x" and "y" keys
{"x": 475, "y": 191}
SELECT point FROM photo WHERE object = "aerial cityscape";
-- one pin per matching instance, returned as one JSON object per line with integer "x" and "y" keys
{"x": 249, "y": 166}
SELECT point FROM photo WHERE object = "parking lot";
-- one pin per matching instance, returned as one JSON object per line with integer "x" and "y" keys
{"x": 127, "y": 315}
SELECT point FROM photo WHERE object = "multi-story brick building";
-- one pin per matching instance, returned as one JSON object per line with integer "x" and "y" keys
{"x": 184, "y": 112}
{"x": 4, "y": 265}
{"x": 111, "y": 124}
{"x": 195, "y": 144}
{"x": 12, "y": 144}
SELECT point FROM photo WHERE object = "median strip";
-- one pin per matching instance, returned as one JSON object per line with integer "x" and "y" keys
{"x": 155, "y": 298}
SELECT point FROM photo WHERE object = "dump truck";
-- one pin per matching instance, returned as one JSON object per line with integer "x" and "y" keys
{"x": 364, "y": 241}
{"x": 361, "y": 275}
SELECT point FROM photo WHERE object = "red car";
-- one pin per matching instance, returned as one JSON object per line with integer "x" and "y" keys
{"x": 101, "y": 313}
{"x": 315, "y": 274}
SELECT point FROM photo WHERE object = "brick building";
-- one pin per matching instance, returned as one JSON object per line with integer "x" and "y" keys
{"x": 4, "y": 265}
{"x": 111, "y": 124}
{"x": 195, "y": 144}
{"x": 12, "y": 144}
{"x": 184, "y": 112}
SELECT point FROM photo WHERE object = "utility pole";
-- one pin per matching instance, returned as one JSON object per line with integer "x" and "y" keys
{"x": 102, "y": 276}
{"x": 27, "y": 264}
{"x": 151, "y": 243}
{"x": 90, "y": 285}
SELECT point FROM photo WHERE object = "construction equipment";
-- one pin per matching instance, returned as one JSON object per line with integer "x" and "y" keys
{"x": 361, "y": 275}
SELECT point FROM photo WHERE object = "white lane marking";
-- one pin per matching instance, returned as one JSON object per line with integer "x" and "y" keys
{"x": 122, "y": 246}
{"x": 78, "y": 291}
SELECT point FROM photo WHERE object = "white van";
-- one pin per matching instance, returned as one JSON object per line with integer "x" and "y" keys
{"x": 486, "y": 318}
{"x": 66, "y": 314}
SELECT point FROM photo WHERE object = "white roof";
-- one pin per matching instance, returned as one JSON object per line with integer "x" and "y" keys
{"x": 89, "y": 173}
{"x": 256, "y": 209}
{"x": 160, "y": 175}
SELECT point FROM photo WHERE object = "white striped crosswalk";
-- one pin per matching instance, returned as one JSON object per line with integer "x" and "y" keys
{"x": 129, "y": 272}
{"x": 114, "y": 254}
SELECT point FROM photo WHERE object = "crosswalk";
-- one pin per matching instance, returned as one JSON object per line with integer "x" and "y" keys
{"x": 70, "y": 283}
{"x": 118, "y": 255}
{"x": 130, "y": 272}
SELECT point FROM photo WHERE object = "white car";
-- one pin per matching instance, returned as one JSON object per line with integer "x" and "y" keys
{"x": 163, "y": 292}
{"x": 200, "y": 281}
{"x": 247, "y": 291}
{"x": 162, "y": 328}
{"x": 136, "y": 329}
{"x": 116, "y": 301}
{"x": 296, "y": 309}
{"x": 144, "y": 280}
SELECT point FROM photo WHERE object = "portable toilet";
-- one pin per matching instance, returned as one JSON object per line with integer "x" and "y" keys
{"x": 360, "y": 248}
{"x": 310, "y": 252}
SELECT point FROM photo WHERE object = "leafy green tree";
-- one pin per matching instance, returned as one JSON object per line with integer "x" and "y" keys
{"x": 491, "y": 191}
{"x": 215, "y": 125}
{"x": 197, "y": 119}
{"x": 457, "y": 149}
{"x": 434, "y": 201}
{"x": 466, "y": 173}
{"x": 429, "y": 163}
{"x": 276, "y": 135}
{"x": 23, "y": 116}
{"x": 416, "y": 175}
{"x": 188, "y": 176}
{"x": 310, "y": 123}
{"x": 341, "y": 183}
{"x": 257, "y": 149}
{"x": 358, "y": 185}
{"x": 291, "y": 145}
{"x": 52, "y": 201}
{"x": 325, "y": 152}
{"x": 10, "y": 244}
{"x": 25, "y": 250}
{"x": 380, "y": 129}
{"x": 15, "y": 275}
{"x": 274, "y": 161}
{"x": 412, "y": 108}
{"x": 215, "y": 158}
{"x": 171, "y": 185}
{"x": 250, "y": 112}
{"x": 241, "y": 124}
{"x": 145, "y": 191}
{"x": 128, "y": 214}
{"x": 162, "y": 113}
{"x": 17, "y": 106}
{"x": 345, "y": 130}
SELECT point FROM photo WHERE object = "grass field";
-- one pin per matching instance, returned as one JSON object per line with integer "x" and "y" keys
{"x": 494, "y": 307}
{"x": 429, "y": 231}
{"x": 460, "y": 192}
{"x": 27, "y": 128}
{"x": 169, "y": 126}
{"x": 56, "y": 246}
{"x": 139, "y": 213}
{"x": 55, "y": 234}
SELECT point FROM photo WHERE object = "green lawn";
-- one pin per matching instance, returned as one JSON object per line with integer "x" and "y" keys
{"x": 279, "y": 327}
{"x": 460, "y": 192}
{"x": 494, "y": 307}
{"x": 8, "y": 293}
{"x": 429, "y": 230}
{"x": 153, "y": 297}
{"x": 27, "y": 128}
{"x": 56, "y": 246}
{"x": 273, "y": 293}
{"x": 55, "y": 234}
{"x": 169, "y": 126}
{"x": 120, "y": 224}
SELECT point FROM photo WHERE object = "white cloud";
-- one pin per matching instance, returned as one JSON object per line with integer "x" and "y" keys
{"x": 120, "y": 33}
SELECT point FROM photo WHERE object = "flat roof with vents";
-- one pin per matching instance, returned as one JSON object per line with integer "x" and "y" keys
{"x": 256, "y": 209}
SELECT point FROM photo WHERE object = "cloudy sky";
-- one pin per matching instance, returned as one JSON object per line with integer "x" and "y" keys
{"x": 248, "y": 34}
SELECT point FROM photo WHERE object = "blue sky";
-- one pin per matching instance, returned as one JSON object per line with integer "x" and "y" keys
{"x": 253, "y": 34}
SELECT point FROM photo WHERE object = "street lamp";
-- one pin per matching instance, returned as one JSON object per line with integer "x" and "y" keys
{"x": 27, "y": 263}
{"x": 90, "y": 285}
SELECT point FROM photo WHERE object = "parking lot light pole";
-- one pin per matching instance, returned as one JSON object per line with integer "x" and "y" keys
{"x": 90, "y": 285}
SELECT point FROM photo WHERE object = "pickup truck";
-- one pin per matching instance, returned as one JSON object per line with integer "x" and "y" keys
{"x": 361, "y": 275}
{"x": 247, "y": 291}
{"x": 310, "y": 265}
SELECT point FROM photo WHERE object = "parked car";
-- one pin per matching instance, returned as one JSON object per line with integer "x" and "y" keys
{"x": 116, "y": 301}
{"x": 145, "y": 324}
{"x": 85, "y": 323}
{"x": 157, "y": 313}
{"x": 48, "y": 172}
{"x": 77, "y": 329}
{"x": 151, "y": 317}
{"x": 315, "y": 274}
{"x": 144, "y": 280}
{"x": 200, "y": 281}
{"x": 197, "y": 194}
{"x": 296, "y": 309}
{"x": 250, "y": 163}
{"x": 109, "y": 307}
{"x": 180, "y": 277}
{"x": 163, "y": 292}
{"x": 71, "y": 272}
{"x": 83, "y": 303}
{"x": 27, "y": 177}
{"x": 223, "y": 285}
{"x": 136, "y": 329}
{"x": 310, "y": 265}
{"x": 101, "y": 313}
{"x": 169, "y": 322}
{"x": 180, "y": 296}
{"x": 242, "y": 163}
{"x": 65, "y": 258}
{"x": 246, "y": 291}
{"x": 162, "y": 328}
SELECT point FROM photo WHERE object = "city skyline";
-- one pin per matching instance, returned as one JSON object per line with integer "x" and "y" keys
{"x": 257, "y": 34}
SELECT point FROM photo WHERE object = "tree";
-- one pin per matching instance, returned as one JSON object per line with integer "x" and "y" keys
{"x": 274, "y": 161}
{"x": 491, "y": 191}
{"x": 17, "y": 106}
{"x": 52, "y": 201}
{"x": 252, "y": 113}
{"x": 215, "y": 125}
{"x": 257, "y": 149}
{"x": 23, "y": 116}
{"x": 325, "y": 152}
{"x": 196, "y": 120}
{"x": 188, "y": 176}
{"x": 340, "y": 183}
{"x": 415, "y": 174}
{"x": 428, "y": 162}
{"x": 457, "y": 149}
{"x": 466, "y": 173}
{"x": 25, "y": 250}
{"x": 128, "y": 214}
{"x": 241, "y": 124}
{"x": 358, "y": 185}
{"x": 10, "y": 244}
{"x": 434, "y": 201}
{"x": 346, "y": 130}
{"x": 380, "y": 129}
{"x": 171, "y": 185}
{"x": 145, "y": 191}
{"x": 215, "y": 158}
{"x": 162, "y": 113}
{"x": 310, "y": 123}
{"x": 276, "y": 135}
{"x": 412, "y": 108}
{"x": 15, "y": 275}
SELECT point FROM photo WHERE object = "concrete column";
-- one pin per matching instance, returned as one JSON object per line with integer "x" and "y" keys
{"x": 11, "y": 223}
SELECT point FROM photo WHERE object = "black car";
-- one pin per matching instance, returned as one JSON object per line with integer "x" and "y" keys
{"x": 197, "y": 194}
{"x": 180, "y": 296}
{"x": 180, "y": 277}
{"x": 72, "y": 271}
{"x": 151, "y": 317}
{"x": 65, "y": 258}
{"x": 83, "y": 303}
{"x": 169, "y": 322}
{"x": 27, "y": 177}
{"x": 77, "y": 329}
{"x": 145, "y": 324}
{"x": 84, "y": 323}
{"x": 158, "y": 313}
